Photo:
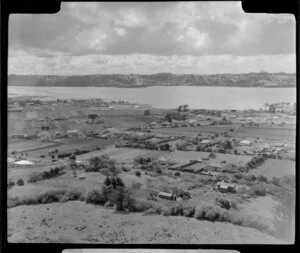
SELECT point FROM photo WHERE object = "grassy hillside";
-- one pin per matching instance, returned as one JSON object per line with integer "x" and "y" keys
{"x": 262, "y": 79}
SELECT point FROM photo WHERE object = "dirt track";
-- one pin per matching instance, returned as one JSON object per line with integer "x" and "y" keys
{"x": 77, "y": 222}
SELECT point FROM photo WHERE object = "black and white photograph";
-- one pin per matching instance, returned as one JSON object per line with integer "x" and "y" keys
{"x": 151, "y": 123}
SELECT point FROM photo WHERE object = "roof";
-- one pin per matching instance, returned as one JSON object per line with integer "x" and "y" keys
{"x": 23, "y": 162}
{"x": 166, "y": 194}
{"x": 205, "y": 141}
{"x": 225, "y": 185}
{"x": 72, "y": 131}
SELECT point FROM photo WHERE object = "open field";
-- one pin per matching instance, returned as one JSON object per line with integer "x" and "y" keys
{"x": 272, "y": 134}
{"x": 275, "y": 168}
{"x": 191, "y": 131}
{"x": 29, "y": 145}
{"x": 77, "y": 222}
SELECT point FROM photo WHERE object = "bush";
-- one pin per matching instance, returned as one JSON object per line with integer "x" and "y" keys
{"x": 262, "y": 179}
{"x": 223, "y": 203}
{"x": 275, "y": 181}
{"x": 97, "y": 197}
{"x": 258, "y": 190}
{"x": 20, "y": 182}
{"x": 151, "y": 211}
{"x": 165, "y": 211}
{"x": 139, "y": 205}
{"x": 138, "y": 173}
{"x": 35, "y": 177}
{"x": 189, "y": 211}
{"x": 109, "y": 204}
{"x": 176, "y": 210}
{"x": 177, "y": 174}
{"x": 10, "y": 184}
{"x": 211, "y": 213}
{"x": 147, "y": 112}
{"x": 212, "y": 155}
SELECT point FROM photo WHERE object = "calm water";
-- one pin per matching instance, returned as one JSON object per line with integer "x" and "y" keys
{"x": 170, "y": 97}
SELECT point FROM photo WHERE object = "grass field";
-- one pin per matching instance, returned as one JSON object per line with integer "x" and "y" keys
{"x": 25, "y": 146}
{"x": 273, "y": 134}
{"x": 190, "y": 131}
{"x": 275, "y": 168}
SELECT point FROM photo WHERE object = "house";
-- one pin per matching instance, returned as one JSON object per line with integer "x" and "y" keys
{"x": 210, "y": 173}
{"x": 245, "y": 143}
{"x": 192, "y": 122}
{"x": 226, "y": 187}
{"x": 24, "y": 162}
{"x": 166, "y": 195}
{"x": 44, "y": 136}
{"x": 72, "y": 133}
{"x": 205, "y": 141}
{"x": 165, "y": 124}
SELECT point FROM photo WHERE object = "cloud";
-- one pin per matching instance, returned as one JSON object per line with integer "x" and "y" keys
{"x": 162, "y": 30}
{"x": 22, "y": 62}
{"x": 120, "y": 31}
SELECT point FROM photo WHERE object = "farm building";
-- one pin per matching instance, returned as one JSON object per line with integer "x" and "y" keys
{"x": 225, "y": 187}
{"x": 166, "y": 195}
{"x": 44, "y": 136}
{"x": 24, "y": 162}
{"x": 210, "y": 173}
{"x": 193, "y": 122}
{"x": 73, "y": 133}
{"x": 205, "y": 141}
{"x": 245, "y": 142}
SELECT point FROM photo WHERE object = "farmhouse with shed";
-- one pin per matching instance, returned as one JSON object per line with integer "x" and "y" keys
{"x": 167, "y": 195}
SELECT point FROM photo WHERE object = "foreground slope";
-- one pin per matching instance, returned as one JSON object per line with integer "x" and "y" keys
{"x": 77, "y": 222}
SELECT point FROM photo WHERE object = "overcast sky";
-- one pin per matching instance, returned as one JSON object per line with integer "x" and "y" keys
{"x": 149, "y": 37}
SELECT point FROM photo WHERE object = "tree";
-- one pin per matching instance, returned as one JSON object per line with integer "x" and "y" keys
{"x": 185, "y": 108}
{"x": 147, "y": 112}
{"x": 93, "y": 116}
{"x": 168, "y": 117}
{"x": 179, "y": 109}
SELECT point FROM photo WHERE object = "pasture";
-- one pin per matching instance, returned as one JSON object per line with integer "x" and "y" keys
{"x": 275, "y": 168}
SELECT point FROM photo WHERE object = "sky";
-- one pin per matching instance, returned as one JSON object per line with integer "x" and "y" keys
{"x": 151, "y": 37}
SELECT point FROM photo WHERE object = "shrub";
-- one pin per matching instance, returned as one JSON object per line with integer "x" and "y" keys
{"x": 258, "y": 190}
{"x": 176, "y": 210}
{"x": 275, "y": 181}
{"x": 212, "y": 213}
{"x": 10, "y": 184}
{"x": 35, "y": 177}
{"x": 75, "y": 194}
{"x": 20, "y": 182}
{"x": 50, "y": 196}
{"x": 139, "y": 205}
{"x": 96, "y": 196}
{"x": 138, "y": 173}
{"x": 189, "y": 211}
{"x": 262, "y": 179}
{"x": 109, "y": 204}
{"x": 165, "y": 211}
{"x": 223, "y": 203}
{"x": 177, "y": 174}
{"x": 150, "y": 211}
{"x": 212, "y": 155}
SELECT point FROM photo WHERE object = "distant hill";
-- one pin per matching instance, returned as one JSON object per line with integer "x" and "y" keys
{"x": 261, "y": 79}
